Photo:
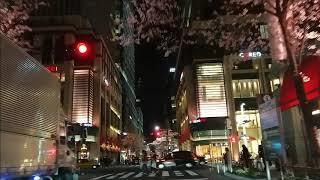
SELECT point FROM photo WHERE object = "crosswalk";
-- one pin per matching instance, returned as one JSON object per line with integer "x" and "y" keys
{"x": 137, "y": 175}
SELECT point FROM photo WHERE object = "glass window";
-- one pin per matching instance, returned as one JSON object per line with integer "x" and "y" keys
{"x": 245, "y": 88}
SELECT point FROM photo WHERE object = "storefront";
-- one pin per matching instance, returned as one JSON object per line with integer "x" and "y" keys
{"x": 294, "y": 136}
{"x": 249, "y": 128}
{"x": 211, "y": 151}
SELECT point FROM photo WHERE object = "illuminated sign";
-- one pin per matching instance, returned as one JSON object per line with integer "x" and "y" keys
{"x": 198, "y": 120}
{"x": 52, "y": 68}
{"x": 250, "y": 54}
{"x": 210, "y": 89}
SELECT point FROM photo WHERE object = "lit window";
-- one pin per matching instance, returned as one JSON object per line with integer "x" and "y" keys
{"x": 172, "y": 70}
{"x": 62, "y": 77}
{"x": 264, "y": 31}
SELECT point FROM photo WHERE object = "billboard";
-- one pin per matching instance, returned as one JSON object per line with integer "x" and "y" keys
{"x": 269, "y": 119}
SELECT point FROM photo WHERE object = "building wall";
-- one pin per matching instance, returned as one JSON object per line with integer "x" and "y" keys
{"x": 106, "y": 91}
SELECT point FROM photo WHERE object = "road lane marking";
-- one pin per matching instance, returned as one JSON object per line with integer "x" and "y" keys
{"x": 178, "y": 173}
{"x": 197, "y": 179}
{"x": 112, "y": 177}
{"x": 165, "y": 173}
{"x": 100, "y": 177}
{"x": 152, "y": 174}
{"x": 138, "y": 175}
{"x": 191, "y": 173}
{"x": 127, "y": 175}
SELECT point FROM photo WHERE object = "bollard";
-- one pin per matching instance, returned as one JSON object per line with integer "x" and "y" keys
{"x": 218, "y": 169}
{"x": 224, "y": 169}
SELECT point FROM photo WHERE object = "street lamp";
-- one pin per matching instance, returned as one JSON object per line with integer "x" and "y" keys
{"x": 157, "y": 128}
{"x": 243, "y": 125}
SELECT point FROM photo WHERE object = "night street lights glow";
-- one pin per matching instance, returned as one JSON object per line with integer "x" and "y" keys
{"x": 172, "y": 70}
{"x": 157, "y": 128}
{"x": 82, "y": 48}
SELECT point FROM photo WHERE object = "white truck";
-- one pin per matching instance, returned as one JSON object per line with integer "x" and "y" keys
{"x": 30, "y": 119}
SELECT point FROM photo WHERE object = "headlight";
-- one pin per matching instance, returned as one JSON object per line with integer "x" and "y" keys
{"x": 36, "y": 178}
{"x": 161, "y": 166}
{"x": 94, "y": 166}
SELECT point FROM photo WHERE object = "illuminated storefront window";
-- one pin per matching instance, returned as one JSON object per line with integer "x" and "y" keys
{"x": 274, "y": 84}
{"x": 245, "y": 88}
{"x": 252, "y": 126}
{"x": 211, "y": 98}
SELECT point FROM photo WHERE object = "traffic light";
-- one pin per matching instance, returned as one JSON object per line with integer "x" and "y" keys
{"x": 83, "y": 50}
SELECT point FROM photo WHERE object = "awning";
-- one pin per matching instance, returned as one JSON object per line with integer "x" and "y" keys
{"x": 310, "y": 73}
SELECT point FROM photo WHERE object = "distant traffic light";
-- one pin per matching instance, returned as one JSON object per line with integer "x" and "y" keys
{"x": 82, "y": 48}
{"x": 158, "y": 134}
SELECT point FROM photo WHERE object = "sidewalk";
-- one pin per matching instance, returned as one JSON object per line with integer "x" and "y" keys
{"x": 275, "y": 175}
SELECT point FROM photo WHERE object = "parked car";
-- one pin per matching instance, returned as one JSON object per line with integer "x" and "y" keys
{"x": 202, "y": 160}
{"x": 135, "y": 161}
{"x": 179, "y": 158}
{"x": 85, "y": 164}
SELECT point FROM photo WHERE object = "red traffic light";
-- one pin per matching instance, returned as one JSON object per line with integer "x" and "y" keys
{"x": 82, "y": 48}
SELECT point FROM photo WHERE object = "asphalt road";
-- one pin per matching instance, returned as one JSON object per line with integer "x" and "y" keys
{"x": 134, "y": 173}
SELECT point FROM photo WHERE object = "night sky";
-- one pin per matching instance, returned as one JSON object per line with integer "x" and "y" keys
{"x": 154, "y": 70}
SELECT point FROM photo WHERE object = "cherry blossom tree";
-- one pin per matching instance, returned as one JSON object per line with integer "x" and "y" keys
{"x": 13, "y": 17}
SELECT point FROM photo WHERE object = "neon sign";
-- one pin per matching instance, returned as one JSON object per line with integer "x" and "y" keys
{"x": 250, "y": 54}
{"x": 52, "y": 68}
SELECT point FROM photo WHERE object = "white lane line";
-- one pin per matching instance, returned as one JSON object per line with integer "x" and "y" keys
{"x": 191, "y": 173}
{"x": 197, "y": 179}
{"x": 165, "y": 173}
{"x": 178, "y": 173}
{"x": 100, "y": 177}
{"x": 112, "y": 177}
{"x": 138, "y": 175}
{"x": 127, "y": 175}
{"x": 152, "y": 174}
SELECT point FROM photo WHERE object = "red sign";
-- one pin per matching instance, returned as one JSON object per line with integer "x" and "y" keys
{"x": 52, "y": 68}
{"x": 310, "y": 75}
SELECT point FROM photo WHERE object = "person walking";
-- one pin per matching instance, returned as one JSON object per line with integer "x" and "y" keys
{"x": 245, "y": 157}
{"x": 261, "y": 156}
{"x": 144, "y": 162}
{"x": 227, "y": 159}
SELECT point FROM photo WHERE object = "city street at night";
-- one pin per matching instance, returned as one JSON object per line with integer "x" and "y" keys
{"x": 159, "y": 89}
{"x": 199, "y": 173}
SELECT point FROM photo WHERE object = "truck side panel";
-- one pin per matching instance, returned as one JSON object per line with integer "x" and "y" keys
{"x": 29, "y": 104}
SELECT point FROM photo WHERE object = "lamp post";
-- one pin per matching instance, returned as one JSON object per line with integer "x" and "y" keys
{"x": 243, "y": 125}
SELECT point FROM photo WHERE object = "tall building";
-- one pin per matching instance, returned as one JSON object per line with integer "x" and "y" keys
{"x": 132, "y": 119}
{"x": 91, "y": 82}
{"x": 216, "y": 94}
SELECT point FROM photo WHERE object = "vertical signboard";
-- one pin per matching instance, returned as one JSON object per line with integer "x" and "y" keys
{"x": 269, "y": 118}
{"x": 210, "y": 90}
{"x": 82, "y": 107}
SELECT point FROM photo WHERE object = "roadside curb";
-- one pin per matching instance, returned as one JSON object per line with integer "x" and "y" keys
{"x": 233, "y": 176}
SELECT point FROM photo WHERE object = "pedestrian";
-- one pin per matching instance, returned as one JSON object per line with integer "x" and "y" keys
{"x": 144, "y": 162}
{"x": 66, "y": 171}
{"x": 245, "y": 157}
{"x": 227, "y": 159}
{"x": 153, "y": 161}
{"x": 261, "y": 156}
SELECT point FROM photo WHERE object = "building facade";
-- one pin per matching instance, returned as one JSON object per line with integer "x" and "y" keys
{"x": 213, "y": 93}
{"x": 91, "y": 86}
{"x": 132, "y": 118}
